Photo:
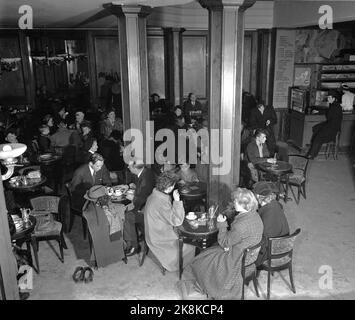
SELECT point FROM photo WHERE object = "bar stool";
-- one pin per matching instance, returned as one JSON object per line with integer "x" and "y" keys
{"x": 333, "y": 147}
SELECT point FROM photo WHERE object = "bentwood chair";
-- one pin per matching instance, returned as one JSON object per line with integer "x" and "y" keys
{"x": 279, "y": 257}
{"x": 74, "y": 212}
{"x": 47, "y": 228}
{"x": 248, "y": 267}
{"x": 333, "y": 147}
{"x": 298, "y": 177}
{"x": 150, "y": 254}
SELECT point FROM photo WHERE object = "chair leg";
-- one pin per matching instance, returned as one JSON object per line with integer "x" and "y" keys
{"x": 268, "y": 284}
{"x": 61, "y": 248}
{"x": 293, "y": 194}
{"x": 304, "y": 190}
{"x": 243, "y": 285}
{"x": 84, "y": 224}
{"x": 71, "y": 221}
{"x": 144, "y": 253}
{"x": 255, "y": 282}
{"x": 291, "y": 279}
{"x": 35, "y": 252}
{"x": 298, "y": 194}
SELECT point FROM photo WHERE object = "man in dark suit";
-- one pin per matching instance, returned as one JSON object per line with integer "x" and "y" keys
{"x": 326, "y": 131}
{"x": 134, "y": 215}
{"x": 271, "y": 213}
{"x": 90, "y": 174}
{"x": 264, "y": 117}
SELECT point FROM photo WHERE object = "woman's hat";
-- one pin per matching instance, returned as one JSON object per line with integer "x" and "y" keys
{"x": 265, "y": 188}
{"x": 95, "y": 193}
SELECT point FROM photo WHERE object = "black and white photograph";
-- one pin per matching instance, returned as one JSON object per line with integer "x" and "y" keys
{"x": 183, "y": 153}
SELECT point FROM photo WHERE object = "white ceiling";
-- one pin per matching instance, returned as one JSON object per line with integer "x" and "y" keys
{"x": 89, "y": 14}
{"x": 69, "y": 13}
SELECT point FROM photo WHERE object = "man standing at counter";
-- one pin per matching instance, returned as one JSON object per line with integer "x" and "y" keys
{"x": 326, "y": 131}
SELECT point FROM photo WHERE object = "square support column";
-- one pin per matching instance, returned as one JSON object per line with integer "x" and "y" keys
{"x": 173, "y": 64}
{"x": 134, "y": 64}
{"x": 226, "y": 40}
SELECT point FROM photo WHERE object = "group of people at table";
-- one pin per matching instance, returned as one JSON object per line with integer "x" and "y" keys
{"x": 155, "y": 209}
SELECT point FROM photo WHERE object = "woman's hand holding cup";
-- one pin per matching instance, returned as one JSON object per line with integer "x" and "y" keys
{"x": 221, "y": 218}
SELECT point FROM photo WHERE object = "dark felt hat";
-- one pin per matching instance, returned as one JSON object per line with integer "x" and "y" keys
{"x": 95, "y": 193}
{"x": 265, "y": 188}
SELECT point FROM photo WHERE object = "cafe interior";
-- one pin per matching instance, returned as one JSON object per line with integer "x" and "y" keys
{"x": 76, "y": 75}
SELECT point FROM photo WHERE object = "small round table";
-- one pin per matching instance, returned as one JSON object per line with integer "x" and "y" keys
{"x": 201, "y": 237}
{"x": 279, "y": 169}
{"x": 25, "y": 235}
{"x": 31, "y": 186}
{"x": 196, "y": 194}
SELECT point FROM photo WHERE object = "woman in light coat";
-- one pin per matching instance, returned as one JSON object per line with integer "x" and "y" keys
{"x": 161, "y": 215}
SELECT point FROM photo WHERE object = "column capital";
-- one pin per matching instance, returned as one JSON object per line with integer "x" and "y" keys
{"x": 121, "y": 10}
{"x": 218, "y": 5}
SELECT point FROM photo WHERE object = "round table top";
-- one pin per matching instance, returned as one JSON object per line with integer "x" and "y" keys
{"x": 194, "y": 190}
{"x": 53, "y": 158}
{"x": 26, "y": 230}
{"x": 32, "y": 184}
{"x": 280, "y": 167}
{"x": 202, "y": 230}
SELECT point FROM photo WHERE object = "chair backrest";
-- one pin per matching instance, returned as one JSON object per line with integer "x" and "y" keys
{"x": 281, "y": 246}
{"x": 298, "y": 162}
{"x": 250, "y": 255}
{"x": 67, "y": 187}
{"x": 35, "y": 146}
{"x": 45, "y": 203}
{"x": 24, "y": 171}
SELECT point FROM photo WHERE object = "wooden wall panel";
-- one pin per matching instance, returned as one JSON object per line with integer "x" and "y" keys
{"x": 247, "y": 63}
{"x": 194, "y": 65}
{"x": 11, "y": 83}
{"x": 156, "y": 73}
{"x": 106, "y": 57}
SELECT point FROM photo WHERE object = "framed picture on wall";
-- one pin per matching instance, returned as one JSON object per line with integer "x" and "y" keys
{"x": 302, "y": 76}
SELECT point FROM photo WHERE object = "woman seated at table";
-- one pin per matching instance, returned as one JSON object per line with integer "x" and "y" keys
{"x": 44, "y": 141}
{"x": 218, "y": 269}
{"x": 110, "y": 123}
{"x": 105, "y": 223}
{"x": 160, "y": 216}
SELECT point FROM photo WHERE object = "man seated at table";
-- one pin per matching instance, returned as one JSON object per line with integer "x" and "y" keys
{"x": 90, "y": 174}
{"x": 187, "y": 174}
{"x": 271, "y": 213}
{"x": 257, "y": 152}
{"x": 134, "y": 215}
{"x": 61, "y": 137}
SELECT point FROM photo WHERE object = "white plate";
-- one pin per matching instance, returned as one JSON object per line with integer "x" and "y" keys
{"x": 191, "y": 217}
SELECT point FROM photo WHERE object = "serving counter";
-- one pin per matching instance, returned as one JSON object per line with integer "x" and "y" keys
{"x": 301, "y": 128}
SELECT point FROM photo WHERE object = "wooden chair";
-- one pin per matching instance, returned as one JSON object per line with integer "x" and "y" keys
{"x": 279, "y": 257}
{"x": 150, "y": 254}
{"x": 248, "y": 267}
{"x": 333, "y": 147}
{"x": 298, "y": 177}
{"x": 74, "y": 212}
{"x": 44, "y": 208}
{"x": 24, "y": 171}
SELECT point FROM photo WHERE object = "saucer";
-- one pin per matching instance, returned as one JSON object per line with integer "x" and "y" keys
{"x": 194, "y": 217}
